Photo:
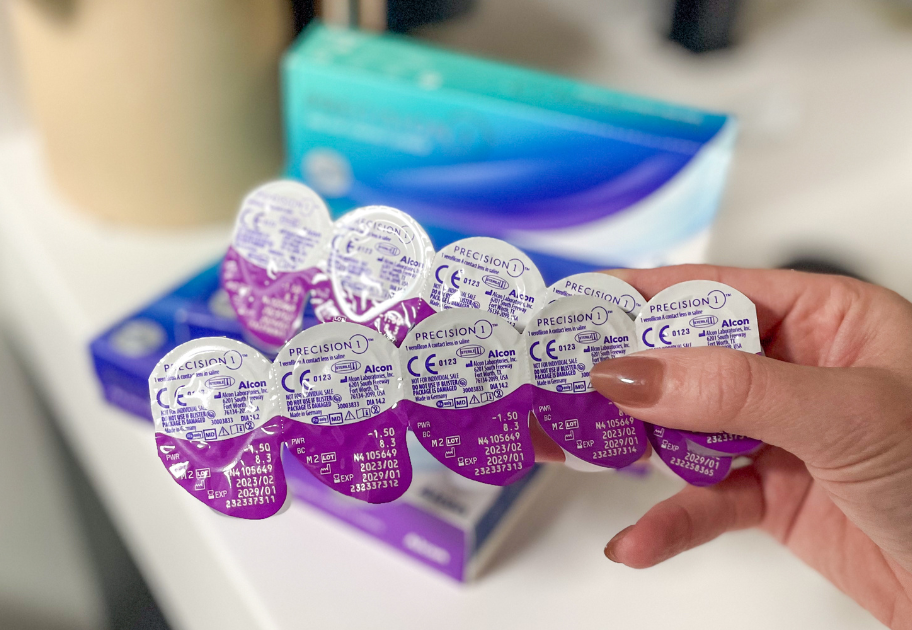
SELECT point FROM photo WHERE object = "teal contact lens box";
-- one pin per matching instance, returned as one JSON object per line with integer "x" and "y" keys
{"x": 579, "y": 176}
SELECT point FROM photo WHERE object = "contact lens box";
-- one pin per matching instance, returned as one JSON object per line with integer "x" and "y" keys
{"x": 578, "y": 176}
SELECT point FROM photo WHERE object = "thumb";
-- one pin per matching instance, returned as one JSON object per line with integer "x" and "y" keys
{"x": 812, "y": 412}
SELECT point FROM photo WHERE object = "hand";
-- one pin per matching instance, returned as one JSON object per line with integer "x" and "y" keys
{"x": 833, "y": 399}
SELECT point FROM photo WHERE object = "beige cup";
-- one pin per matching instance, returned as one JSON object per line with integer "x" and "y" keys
{"x": 155, "y": 112}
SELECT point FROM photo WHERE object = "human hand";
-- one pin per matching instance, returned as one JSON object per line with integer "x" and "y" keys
{"x": 832, "y": 399}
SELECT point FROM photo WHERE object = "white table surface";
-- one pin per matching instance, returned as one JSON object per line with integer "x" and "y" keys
{"x": 67, "y": 277}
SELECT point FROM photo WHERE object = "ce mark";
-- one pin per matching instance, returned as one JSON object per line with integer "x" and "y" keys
{"x": 454, "y": 277}
{"x": 427, "y": 365}
{"x": 300, "y": 381}
{"x": 661, "y": 336}
{"x": 549, "y": 350}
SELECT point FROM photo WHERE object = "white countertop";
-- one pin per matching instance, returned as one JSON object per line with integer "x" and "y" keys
{"x": 67, "y": 277}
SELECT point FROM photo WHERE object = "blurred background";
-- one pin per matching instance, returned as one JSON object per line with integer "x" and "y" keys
{"x": 129, "y": 131}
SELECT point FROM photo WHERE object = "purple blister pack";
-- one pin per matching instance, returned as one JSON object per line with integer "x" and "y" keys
{"x": 375, "y": 266}
{"x": 723, "y": 443}
{"x": 214, "y": 431}
{"x": 466, "y": 394}
{"x": 280, "y": 234}
{"x": 697, "y": 469}
{"x": 701, "y": 313}
{"x": 565, "y": 340}
{"x": 337, "y": 385}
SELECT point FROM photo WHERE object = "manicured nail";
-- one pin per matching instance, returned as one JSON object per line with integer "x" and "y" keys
{"x": 611, "y": 547}
{"x": 634, "y": 381}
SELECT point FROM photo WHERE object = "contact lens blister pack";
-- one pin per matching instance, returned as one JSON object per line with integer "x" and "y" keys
{"x": 602, "y": 286}
{"x": 214, "y": 429}
{"x": 485, "y": 274}
{"x": 467, "y": 395}
{"x": 415, "y": 341}
{"x": 701, "y": 313}
{"x": 375, "y": 265}
{"x": 281, "y": 232}
{"x": 337, "y": 386}
{"x": 686, "y": 461}
{"x": 565, "y": 340}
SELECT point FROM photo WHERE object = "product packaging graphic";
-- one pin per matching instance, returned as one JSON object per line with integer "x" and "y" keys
{"x": 467, "y": 394}
{"x": 376, "y": 265}
{"x": 282, "y": 229}
{"x": 486, "y": 274}
{"x": 578, "y": 176}
{"x": 701, "y": 313}
{"x": 598, "y": 285}
{"x": 214, "y": 428}
{"x": 337, "y": 386}
{"x": 565, "y": 340}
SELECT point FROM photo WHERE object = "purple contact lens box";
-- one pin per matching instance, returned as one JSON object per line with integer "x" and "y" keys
{"x": 447, "y": 523}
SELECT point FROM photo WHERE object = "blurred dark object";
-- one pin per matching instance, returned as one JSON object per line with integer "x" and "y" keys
{"x": 813, "y": 264}
{"x": 703, "y": 25}
{"x": 303, "y": 12}
{"x": 399, "y": 16}
{"x": 404, "y": 15}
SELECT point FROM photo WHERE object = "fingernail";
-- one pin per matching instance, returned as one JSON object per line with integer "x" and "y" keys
{"x": 634, "y": 381}
{"x": 611, "y": 547}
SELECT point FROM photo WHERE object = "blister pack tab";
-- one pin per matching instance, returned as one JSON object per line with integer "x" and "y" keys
{"x": 601, "y": 286}
{"x": 701, "y": 313}
{"x": 337, "y": 385}
{"x": 467, "y": 396}
{"x": 376, "y": 265}
{"x": 280, "y": 233}
{"x": 687, "y": 462}
{"x": 214, "y": 429}
{"x": 486, "y": 274}
{"x": 565, "y": 340}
